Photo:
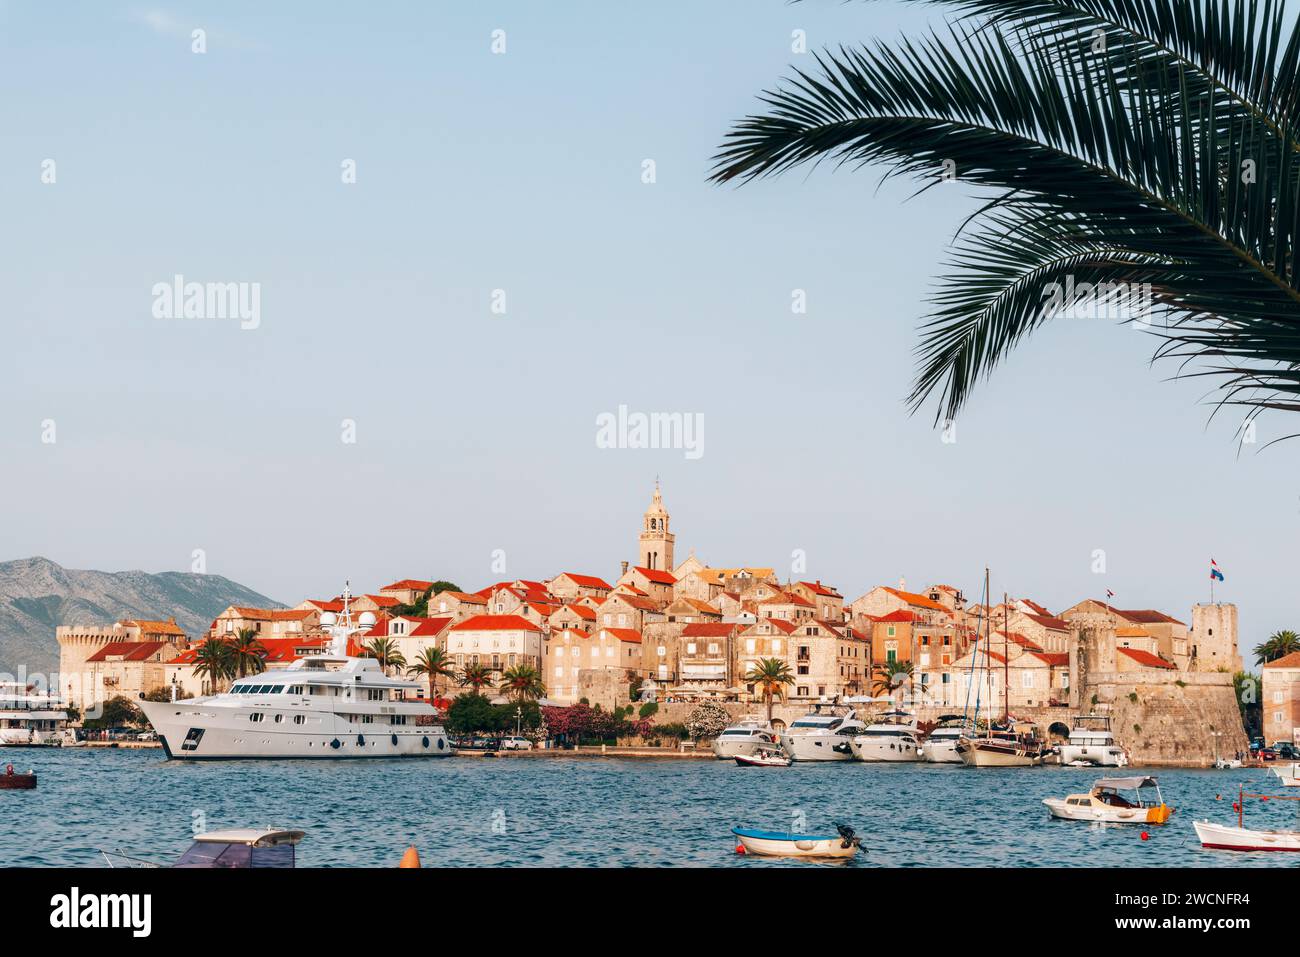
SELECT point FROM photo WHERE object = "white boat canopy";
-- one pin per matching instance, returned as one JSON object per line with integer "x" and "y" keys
{"x": 1127, "y": 784}
{"x": 251, "y": 836}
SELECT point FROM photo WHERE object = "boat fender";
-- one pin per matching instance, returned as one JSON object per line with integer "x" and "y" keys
{"x": 425, "y": 741}
{"x": 336, "y": 744}
{"x": 361, "y": 740}
{"x": 394, "y": 739}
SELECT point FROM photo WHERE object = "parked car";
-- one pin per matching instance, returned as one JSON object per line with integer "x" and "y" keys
{"x": 1287, "y": 751}
{"x": 1266, "y": 754}
{"x": 147, "y": 736}
{"x": 516, "y": 744}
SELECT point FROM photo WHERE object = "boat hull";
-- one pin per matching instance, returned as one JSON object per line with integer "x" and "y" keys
{"x": 867, "y": 749}
{"x": 773, "y": 844}
{"x": 1102, "y": 756}
{"x": 1224, "y": 838}
{"x": 762, "y": 760}
{"x": 981, "y": 753}
{"x": 1289, "y": 775}
{"x": 817, "y": 747}
{"x": 942, "y": 751}
{"x": 728, "y": 748}
{"x": 1108, "y": 815}
{"x": 226, "y": 734}
{"x": 17, "y": 782}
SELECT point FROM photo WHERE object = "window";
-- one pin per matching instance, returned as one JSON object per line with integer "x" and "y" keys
{"x": 690, "y": 647}
{"x": 889, "y": 630}
{"x": 256, "y": 717}
{"x": 750, "y": 646}
{"x": 1027, "y": 679}
{"x": 297, "y": 719}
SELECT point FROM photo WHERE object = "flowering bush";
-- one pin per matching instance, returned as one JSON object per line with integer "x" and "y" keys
{"x": 707, "y": 720}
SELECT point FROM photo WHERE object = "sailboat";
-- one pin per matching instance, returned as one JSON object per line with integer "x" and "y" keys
{"x": 1004, "y": 746}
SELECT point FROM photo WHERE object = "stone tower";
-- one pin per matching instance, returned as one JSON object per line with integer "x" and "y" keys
{"x": 656, "y": 550}
{"x": 1213, "y": 638}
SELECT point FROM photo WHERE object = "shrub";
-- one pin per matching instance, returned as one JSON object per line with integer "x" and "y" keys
{"x": 648, "y": 709}
{"x": 707, "y": 720}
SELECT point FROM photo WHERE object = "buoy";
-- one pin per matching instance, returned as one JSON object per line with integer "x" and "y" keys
{"x": 740, "y": 848}
{"x": 1146, "y": 836}
{"x": 411, "y": 858}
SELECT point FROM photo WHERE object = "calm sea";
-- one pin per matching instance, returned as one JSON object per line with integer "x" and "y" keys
{"x": 521, "y": 812}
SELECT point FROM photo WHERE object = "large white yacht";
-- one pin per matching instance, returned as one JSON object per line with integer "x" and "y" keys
{"x": 892, "y": 737}
{"x": 31, "y": 718}
{"x": 823, "y": 734}
{"x": 322, "y": 706}
{"x": 1091, "y": 742}
{"x": 743, "y": 738}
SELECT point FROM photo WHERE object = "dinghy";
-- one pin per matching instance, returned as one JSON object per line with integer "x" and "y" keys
{"x": 781, "y": 844}
{"x": 763, "y": 759}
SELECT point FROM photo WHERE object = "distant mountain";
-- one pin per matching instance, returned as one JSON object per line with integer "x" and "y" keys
{"x": 37, "y": 595}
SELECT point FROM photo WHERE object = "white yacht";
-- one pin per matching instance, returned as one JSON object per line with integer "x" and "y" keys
{"x": 891, "y": 738}
{"x": 1091, "y": 742}
{"x": 322, "y": 706}
{"x": 743, "y": 738}
{"x": 940, "y": 745}
{"x": 31, "y": 718}
{"x": 823, "y": 735}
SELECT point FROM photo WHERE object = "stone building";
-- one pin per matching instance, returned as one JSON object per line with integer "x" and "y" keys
{"x": 78, "y": 643}
{"x": 126, "y": 668}
{"x": 498, "y": 642}
{"x": 1213, "y": 639}
{"x": 1280, "y": 699}
{"x": 656, "y": 542}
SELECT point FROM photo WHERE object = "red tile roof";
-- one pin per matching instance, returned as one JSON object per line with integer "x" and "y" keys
{"x": 128, "y": 650}
{"x": 1145, "y": 658}
{"x": 1050, "y": 621}
{"x": 1021, "y": 640}
{"x": 383, "y": 601}
{"x": 428, "y": 627}
{"x": 582, "y": 611}
{"x": 708, "y": 629}
{"x": 287, "y": 649}
{"x": 1286, "y": 661}
{"x": 625, "y": 634}
{"x": 912, "y": 598}
{"x": 655, "y": 575}
{"x": 168, "y": 627}
{"x": 1055, "y": 660}
{"x": 819, "y": 589}
{"x": 895, "y": 616}
{"x": 413, "y": 584}
{"x": 495, "y": 623}
{"x": 636, "y": 601}
{"x": 274, "y": 614}
{"x": 336, "y": 605}
{"x": 474, "y": 599}
{"x": 586, "y": 581}
{"x": 1037, "y": 607}
{"x": 1146, "y": 616}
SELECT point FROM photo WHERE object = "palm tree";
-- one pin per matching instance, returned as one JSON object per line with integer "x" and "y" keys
{"x": 213, "y": 659}
{"x": 434, "y": 663}
{"x": 247, "y": 653}
{"x": 523, "y": 682}
{"x": 477, "y": 677}
{"x": 1150, "y": 143}
{"x": 771, "y": 675}
{"x": 387, "y": 652}
{"x": 890, "y": 677}
{"x": 1279, "y": 644}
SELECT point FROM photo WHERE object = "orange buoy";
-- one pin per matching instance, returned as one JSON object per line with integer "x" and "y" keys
{"x": 411, "y": 858}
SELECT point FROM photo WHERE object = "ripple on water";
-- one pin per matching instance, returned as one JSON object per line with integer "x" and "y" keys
{"x": 567, "y": 812}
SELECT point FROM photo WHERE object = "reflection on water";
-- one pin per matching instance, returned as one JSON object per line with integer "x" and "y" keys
{"x": 600, "y": 812}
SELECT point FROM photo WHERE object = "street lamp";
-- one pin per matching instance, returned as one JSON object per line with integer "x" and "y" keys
{"x": 519, "y": 718}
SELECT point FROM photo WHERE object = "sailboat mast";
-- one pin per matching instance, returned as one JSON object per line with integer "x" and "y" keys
{"x": 1006, "y": 663}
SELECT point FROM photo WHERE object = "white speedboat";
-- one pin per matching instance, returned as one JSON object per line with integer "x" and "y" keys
{"x": 1144, "y": 804}
{"x": 322, "y": 706}
{"x": 238, "y": 848}
{"x": 770, "y": 756}
{"x": 822, "y": 735}
{"x": 743, "y": 737}
{"x": 31, "y": 718}
{"x": 940, "y": 745}
{"x": 1227, "y": 764}
{"x": 782, "y": 844}
{"x": 892, "y": 738}
{"x": 1091, "y": 742}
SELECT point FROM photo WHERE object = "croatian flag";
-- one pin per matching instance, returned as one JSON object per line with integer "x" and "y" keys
{"x": 1215, "y": 574}
{"x": 1109, "y": 593}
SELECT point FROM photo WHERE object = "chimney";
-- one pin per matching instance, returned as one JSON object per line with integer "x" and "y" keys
{"x": 624, "y": 569}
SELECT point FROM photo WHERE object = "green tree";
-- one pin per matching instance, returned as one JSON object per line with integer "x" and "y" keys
{"x": 523, "y": 682}
{"x": 433, "y": 663}
{"x": 477, "y": 677}
{"x": 118, "y": 711}
{"x": 471, "y": 714}
{"x": 387, "y": 653}
{"x": 1247, "y": 686}
{"x": 1279, "y": 645}
{"x": 420, "y": 607}
{"x": 889, "y": 677}
{"x": 213, "y": 660}
{"x": 1148, "y": 147}
{"x": 247, "y": 654}
{"x": 771, "y": 676}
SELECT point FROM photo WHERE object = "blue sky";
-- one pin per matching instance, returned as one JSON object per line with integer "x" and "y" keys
{"x": 475, "y": 431}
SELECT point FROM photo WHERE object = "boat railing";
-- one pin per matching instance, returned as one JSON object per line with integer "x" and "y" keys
{"x": 120, "y": 861}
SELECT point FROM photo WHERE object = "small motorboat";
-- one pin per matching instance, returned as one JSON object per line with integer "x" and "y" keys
{"x": 239, "y": 848}
{"x": 1225, "y": 837}
{"x": 769, "y": 757}
{"x": 17, "y": 781}
{"x": 1288, "y": 774}
{"x": 781, "y": 844}
{"x": 1106, "y": 804}
{"x": 1227, "y": 764}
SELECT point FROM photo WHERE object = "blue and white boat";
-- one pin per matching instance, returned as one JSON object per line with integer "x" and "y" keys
{"x": 783, "y": 844}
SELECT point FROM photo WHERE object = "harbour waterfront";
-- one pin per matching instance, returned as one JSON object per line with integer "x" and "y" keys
{"x": 509, "y": 812}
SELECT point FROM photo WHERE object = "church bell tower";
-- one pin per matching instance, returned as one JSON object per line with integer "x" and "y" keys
{"x": 656, "y": 550}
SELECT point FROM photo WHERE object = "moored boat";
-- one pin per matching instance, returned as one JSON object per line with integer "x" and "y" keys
{"x": 1288, "y": 774}
{"x": 824, "y": 734}
{"x": 743, "y": 737}
{"x": 237, "y": 848}
{"x": 892, "y": 737}
{"x": 1225, "y": 837}
{"x": 770, "y": 757}
{"x": 30, "y": 718}
{"x": 1000, "y": 749}
{"x": 13, "y": 780}
{"x": 783, "y": 844}
{"x": 1091, "y": 742}
{"x": 1105, "y": 802}
{"x": 940, "y": 745}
